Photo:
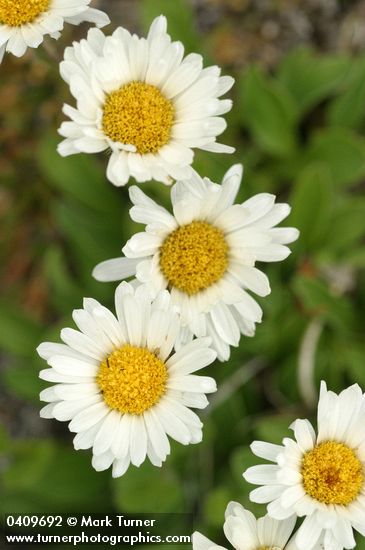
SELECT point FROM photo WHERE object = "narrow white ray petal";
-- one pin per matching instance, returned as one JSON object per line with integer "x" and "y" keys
{"x": 102, "y": 462}
{"x": 156, "y": 434}
{"x": 88, "y": 417}
{"x": 242, "y": 531}
{"x": 120, "y": 466}
{"x": 277, "y": 511}
{"x": 121, "y": 442}
{"x": 268, "y": 451}
{"x": 138, "y": 440}
{"x": 274, "y": 534}
{"x": 191, "y": 361}
{"x": 72, "y": 367}
{"x": 106, "y": 433}
{"x": 83, "y": 344}
{"x": 85, "y": 439}
{"x": 133, "y": 319}
{"x": 308, "y": 533}
{"x": 68, "y": 392}
{"x": 192, "y": 383}
{"x": 66, "y": 410}
{"x": 262, "y": 475}
{"x": 116, "y": 269}
{"x": 266, "y": 493}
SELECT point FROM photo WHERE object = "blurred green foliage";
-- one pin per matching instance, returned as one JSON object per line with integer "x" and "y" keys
{"x": 300, "y": 134}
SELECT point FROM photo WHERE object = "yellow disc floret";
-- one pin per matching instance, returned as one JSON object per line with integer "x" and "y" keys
{"x": 132, "y": 379}
{"x": 19, "y": 12}
{"x": 332, "y": 473}
{"x": 138, "y": 114}
{"x": 194, "y": 257}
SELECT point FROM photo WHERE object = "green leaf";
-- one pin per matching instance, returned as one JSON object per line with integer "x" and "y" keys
{"x": 23, "y": 380}
{"x": 241, "y": 459}
{"x": 19, "y": 334}
{"x": 319, "y": 300}
{"x": 180, "y": 18}
{"x": 348, "y": 109}
{"x": 92, "y": 237}
{"x": 273, "y": 428}
{"x": 269, "y": 112}
{"x": 312, "y": 205}
{"x": 360, "y": 541}
{"x": 353, "y": 359}
{"x": 28, "y": 464}
{"x": 64, "y": 292}
{"x": 55, "y": 476}
{"x": 4, "y": 439}
{"x": 355, "y": 258}
{"x": 342, "y": 150}
{"x": 78, "y": 176}
{"x": 215, "y": 505}
{"x": 161, "y": 490}
{"x": 310, "y": 78}
{"x": 349, "y": 228}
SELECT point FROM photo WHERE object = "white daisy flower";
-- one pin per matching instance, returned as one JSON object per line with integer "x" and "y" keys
{"x": 320, "y": 477}
{"x": 24, "y": 23}
{"x": 245, "y": 532}
{"x": 120, "y": 383}
{"x": 143, "y": 100}
{"x": 205, "y": 254}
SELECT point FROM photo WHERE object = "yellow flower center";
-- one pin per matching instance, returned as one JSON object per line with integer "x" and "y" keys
{"x": 138, "y": 114}
{"x": 194, "y": 257}
{"x": 18, "y": 12}
{"x": 332, "y": 473}
{"x": 132, "y": 379}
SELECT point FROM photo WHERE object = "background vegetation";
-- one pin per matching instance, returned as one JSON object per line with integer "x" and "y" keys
{"x": 298, "y": 126}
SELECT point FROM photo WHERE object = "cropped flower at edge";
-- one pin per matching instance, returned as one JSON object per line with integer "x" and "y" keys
{"x": 205, "y": 255}
{"x": 318, "y": 477}
{"x": 120, "y": 383}
{"x": 245, "y": 532}
{"x": 144, "y": 101}
{"x": 24, "y": 24}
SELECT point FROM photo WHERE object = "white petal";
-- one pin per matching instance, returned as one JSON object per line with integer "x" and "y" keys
{"x": 120, "y": 466}
{"x": 308, "y": 533}
{"x": 72, "y": 367}
{"x": 225, "y": 324}
{"x": 138, "y": 440}
{"x": 277, "y": 511}
{"x": 32, "y": 36}
{"x": 304, "y": 434}
{"x": 85, "y": 440}
{"x": 102, "y": 462}
{"x": 133, "y": 319}
{"x": 156, "y": 434}
{"x": 66, "y": 410}
{"x": 273, "y": 533}
{"x": 16, "y": 44}
{"x": 116, "y": 269}
{"x": 88, "y": 417}
{"x": 242, "y": 531}
{"x": 106, "y": 433}
{"x": 262, "y": 475}
{"x": 192, "y": 383}
{"x": 265, "y": 494}
{"x": 83, "y": 344}
{"x": 268, "y": 451}
{"x": 118, "y": 169}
